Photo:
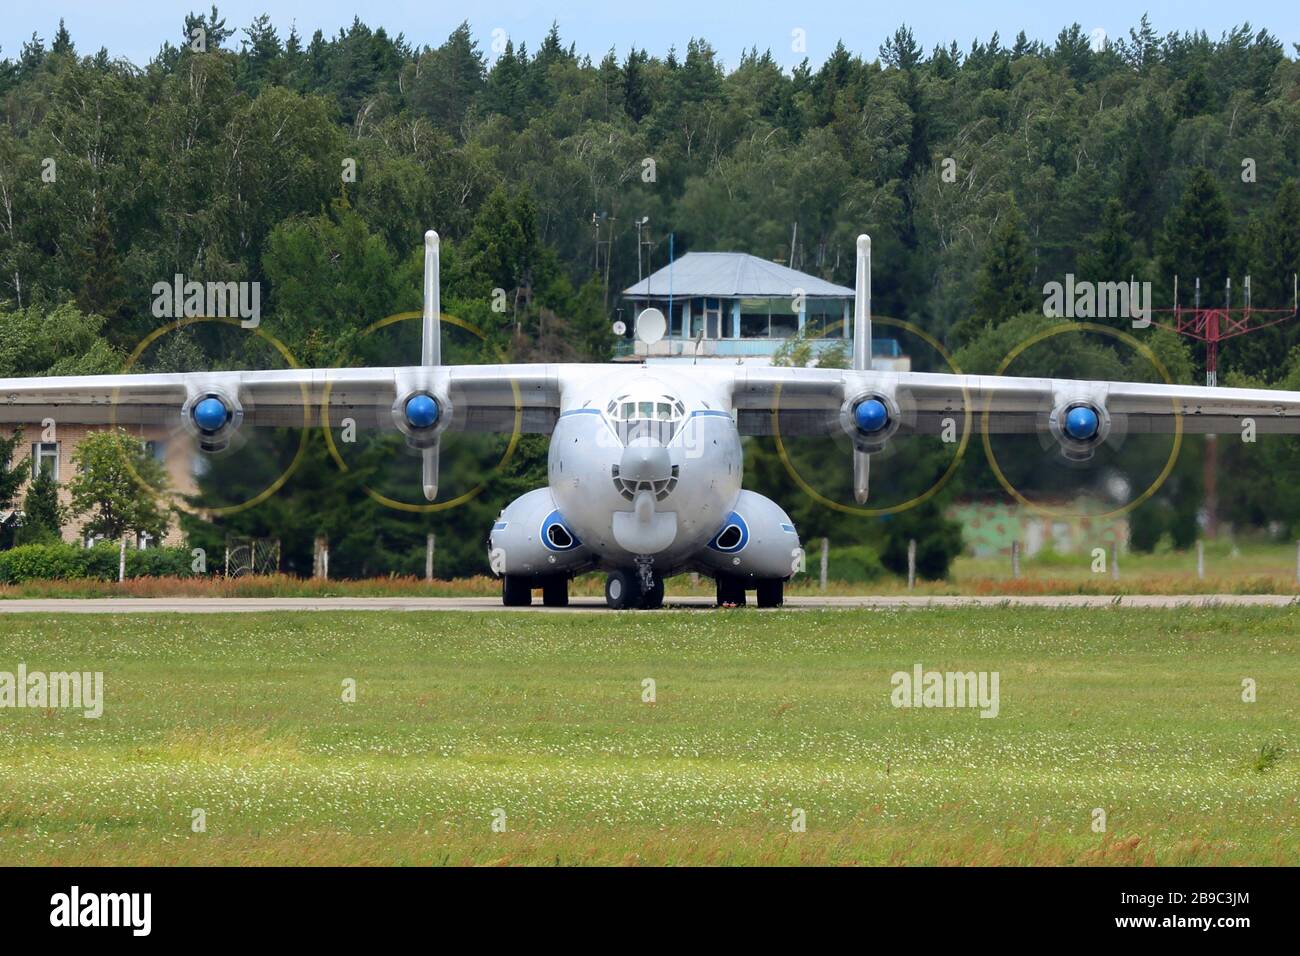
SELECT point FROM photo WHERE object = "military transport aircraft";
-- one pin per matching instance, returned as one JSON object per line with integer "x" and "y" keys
{"x": 645, "y": 461}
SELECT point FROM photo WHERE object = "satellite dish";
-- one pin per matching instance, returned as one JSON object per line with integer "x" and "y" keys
{"x": 651, "y": 326}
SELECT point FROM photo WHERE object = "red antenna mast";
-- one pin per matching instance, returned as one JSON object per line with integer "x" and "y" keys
{"x": 1213, "y": 326}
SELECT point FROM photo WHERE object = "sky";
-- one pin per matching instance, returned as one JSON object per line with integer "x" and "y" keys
{"x": 136, "y": 29}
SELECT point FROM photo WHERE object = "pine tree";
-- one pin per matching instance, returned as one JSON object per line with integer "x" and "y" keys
{"x": 505, "y": 84}
{"x": 262, "y": 56}
{"x": 103, "y": 291}
{"x": 63, "y": 42}
{"x": 1109, "y": 257}
{"x": 611, "y": 85}
{"x": 11, "y": 476}
{"x": 1272, "y": 262}
{"x": 1004, "y": 287}
{"x": 43, "y": 516}
{"x": 450, "y": 77}
{"x": 1278, "y": 254}
{"x": 1197, "y": 242}
{"x": 636, "y": 96}
{"x": 1194, "y": 97}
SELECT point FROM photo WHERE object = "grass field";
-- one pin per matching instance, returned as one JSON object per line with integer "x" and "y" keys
{"x": 757, "y": 715}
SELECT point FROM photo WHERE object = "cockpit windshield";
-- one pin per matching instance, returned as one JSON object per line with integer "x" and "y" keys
{"x": 656, "y": 416}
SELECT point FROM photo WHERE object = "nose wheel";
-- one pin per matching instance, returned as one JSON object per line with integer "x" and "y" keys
{"x": 624, "y": 590}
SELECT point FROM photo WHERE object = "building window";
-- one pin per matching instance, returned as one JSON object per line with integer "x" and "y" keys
{"x": 784, "y": 323}
{"x": 45, "y": 454}
{"x": 713, "y": 318}
{"x": 826, "y": 318}
{"x": 696, "y": 308}
{"x": 754, "y": 319}
{"x": 676, "y": 322}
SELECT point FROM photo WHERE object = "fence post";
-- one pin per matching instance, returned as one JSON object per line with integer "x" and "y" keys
{"x": 826, "y": 554}
{"x": 1015, "y": 560}
{"x": 911, "y": 564}
{"x": 1200, "y": 560}
{"x": 428, "y": 557}
{"x": 1114, "y": 560}
{"x": 320, "y": 558}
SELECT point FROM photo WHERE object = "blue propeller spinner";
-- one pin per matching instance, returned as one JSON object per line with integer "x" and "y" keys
{"x": 871, "y": 415}
{"x": 1082, "y": 423}
{"x": 422, "y": 411}
{"x": 210, "y": 414}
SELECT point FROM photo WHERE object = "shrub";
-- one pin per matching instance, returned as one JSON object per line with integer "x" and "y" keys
{"x": 61, "y": 561}
{"x": 158, "y": 563}
{"x": 857, "y": 564}
{"x": 29, "y": 562}
{"x": 938, "y": 541}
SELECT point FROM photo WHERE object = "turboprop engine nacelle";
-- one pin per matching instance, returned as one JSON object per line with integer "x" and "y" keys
{"x": 212, "y": 413}
{"x": 531, "y": 537}
{"x": 756, "y": 541}
{"x": 870, "y": 419}
{"x": 1079, "y": 425}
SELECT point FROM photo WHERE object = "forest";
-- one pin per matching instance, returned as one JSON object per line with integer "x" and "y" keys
{"x": 983, "y": 169}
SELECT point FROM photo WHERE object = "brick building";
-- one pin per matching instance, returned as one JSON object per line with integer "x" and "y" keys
{"x": 35, "y": 454}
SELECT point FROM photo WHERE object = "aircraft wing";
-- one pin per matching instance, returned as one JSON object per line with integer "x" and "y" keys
{"x": 421, "y": 401}
{"x": 811, "y": 401}
{"x": 480, "y": 397}
{"x": 872, "y": 407}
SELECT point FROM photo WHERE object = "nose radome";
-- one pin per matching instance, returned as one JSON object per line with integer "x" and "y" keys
{"x": 646, "y": 461}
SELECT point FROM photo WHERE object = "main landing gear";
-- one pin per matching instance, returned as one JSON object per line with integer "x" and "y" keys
{"x": 770, "y": 592}
{"x": 517, "y": 590}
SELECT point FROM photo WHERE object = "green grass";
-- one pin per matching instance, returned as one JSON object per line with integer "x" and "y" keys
{"x": 757, "y": 713}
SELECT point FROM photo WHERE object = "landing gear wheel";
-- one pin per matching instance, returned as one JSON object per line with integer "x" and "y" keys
{"x": 516, "y": 590}
{"x": 653, "y": 599}
{"x": 622, "y": 590}
{"x": 771, "y": 592}
{"x": 555, "y": 591}
{"x": 730, "y": 591}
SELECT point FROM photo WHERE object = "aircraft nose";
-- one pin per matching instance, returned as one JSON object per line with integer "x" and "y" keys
{"x": 647, "y": 461}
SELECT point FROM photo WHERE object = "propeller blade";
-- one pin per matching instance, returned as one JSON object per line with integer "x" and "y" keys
{"x": 862, "y": 306}
{"x": 861, "y": 475}
{"x": 430, "y": 470}
{"x": 431, "y": 339}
